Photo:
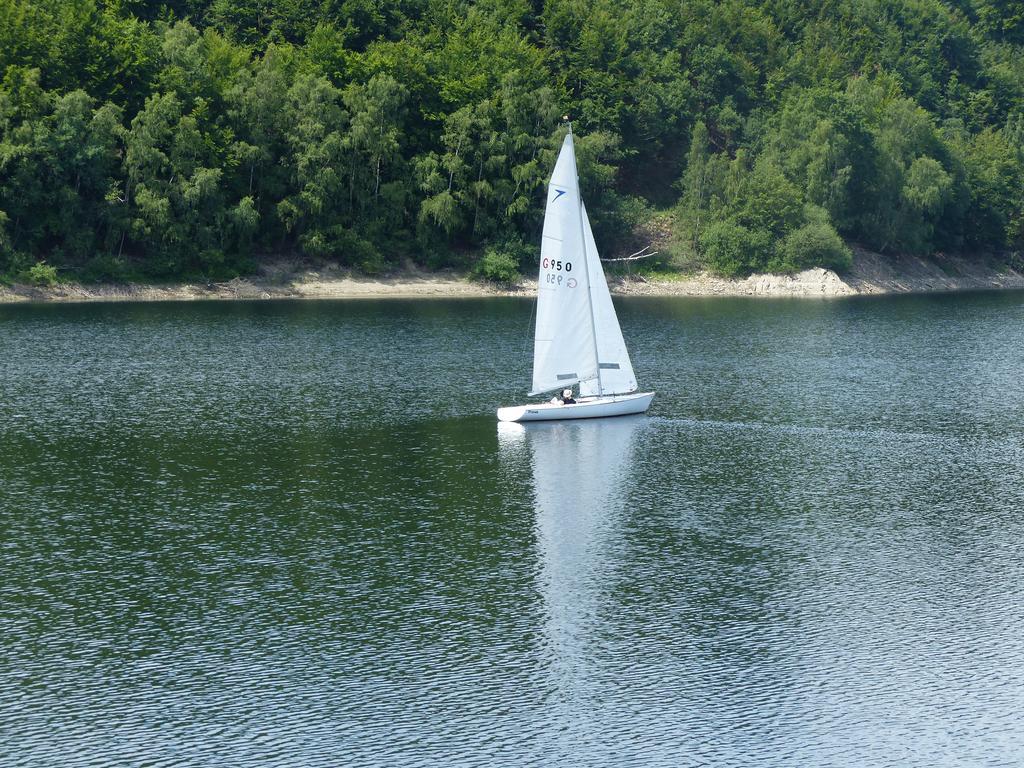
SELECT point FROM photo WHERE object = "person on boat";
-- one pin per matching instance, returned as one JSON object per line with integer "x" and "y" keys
{"x": 567, "y": 398}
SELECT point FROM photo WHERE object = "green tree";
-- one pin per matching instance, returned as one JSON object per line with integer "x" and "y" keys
{"x": 697, "y": 187}
{"x": 815, "y": 244}
{"x": 732, "y": 249}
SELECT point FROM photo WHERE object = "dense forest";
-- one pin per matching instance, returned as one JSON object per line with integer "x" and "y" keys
{"x": 195, "y": 138}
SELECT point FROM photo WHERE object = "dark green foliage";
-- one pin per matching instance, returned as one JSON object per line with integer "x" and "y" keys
{"x": 732, "y": 249}
{"x": 190, "y": 137}
{"x": 42, "y": 273}
{"x": 815, "y": 244}
{"x": 497, "y": 266}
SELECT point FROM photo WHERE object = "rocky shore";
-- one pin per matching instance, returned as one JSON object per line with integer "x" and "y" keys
{"x": 870, "y": 274}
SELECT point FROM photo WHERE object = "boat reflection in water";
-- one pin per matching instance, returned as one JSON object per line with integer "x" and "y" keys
{"x": 581, "y": 472}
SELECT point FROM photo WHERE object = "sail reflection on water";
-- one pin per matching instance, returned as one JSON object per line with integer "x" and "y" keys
{"x": 580, "y": 472}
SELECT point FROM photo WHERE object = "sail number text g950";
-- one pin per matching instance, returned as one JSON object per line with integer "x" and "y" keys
{"x": 558, "y": 266}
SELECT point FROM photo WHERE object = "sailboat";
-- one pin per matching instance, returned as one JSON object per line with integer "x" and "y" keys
{"x": 577, "y": 338}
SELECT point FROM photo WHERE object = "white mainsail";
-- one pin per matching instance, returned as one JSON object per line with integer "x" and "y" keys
{"x": 578, "y": 338}
{"x": 565, "y": 349}
{"x": 614, "y": 367}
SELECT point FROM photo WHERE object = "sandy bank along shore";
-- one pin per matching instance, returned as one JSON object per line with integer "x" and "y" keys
{"x": 305, "y": 284}
{"x": 870, "y": 274}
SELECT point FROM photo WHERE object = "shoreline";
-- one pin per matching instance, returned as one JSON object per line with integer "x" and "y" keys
{"x": 871, "y": 274}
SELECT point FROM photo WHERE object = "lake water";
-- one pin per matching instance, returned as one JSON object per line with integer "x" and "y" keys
{"x": 292, "y": 534}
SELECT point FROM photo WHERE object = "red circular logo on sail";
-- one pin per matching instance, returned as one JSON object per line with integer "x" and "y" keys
{"x": 571, "y": 282}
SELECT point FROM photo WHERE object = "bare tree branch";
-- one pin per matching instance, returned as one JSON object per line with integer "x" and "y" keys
{"x": 634, "y": 256}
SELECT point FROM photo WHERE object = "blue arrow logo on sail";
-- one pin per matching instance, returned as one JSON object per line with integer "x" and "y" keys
{"x": 560, "y": 193}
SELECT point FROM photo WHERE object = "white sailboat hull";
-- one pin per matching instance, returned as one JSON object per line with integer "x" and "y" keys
{"x": 584, "y": 408}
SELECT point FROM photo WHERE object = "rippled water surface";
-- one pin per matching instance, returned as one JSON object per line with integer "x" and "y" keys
{"x": 291, "y": 534}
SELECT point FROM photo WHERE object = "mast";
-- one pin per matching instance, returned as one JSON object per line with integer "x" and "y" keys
{"x": 586, "y": 265}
